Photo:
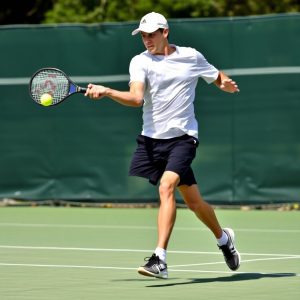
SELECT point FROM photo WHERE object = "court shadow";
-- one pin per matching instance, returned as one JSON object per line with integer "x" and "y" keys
{"x": 232, "y": 278}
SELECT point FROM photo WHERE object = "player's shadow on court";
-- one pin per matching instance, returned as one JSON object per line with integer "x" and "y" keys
{"x": 232, "y": 278}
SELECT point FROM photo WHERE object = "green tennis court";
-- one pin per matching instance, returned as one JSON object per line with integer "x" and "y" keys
{"x": 93, "y": 253}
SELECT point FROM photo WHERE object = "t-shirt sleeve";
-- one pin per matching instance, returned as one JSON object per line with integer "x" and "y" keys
{"x": 137, "y": 70}
{"x": 206, "y": 71}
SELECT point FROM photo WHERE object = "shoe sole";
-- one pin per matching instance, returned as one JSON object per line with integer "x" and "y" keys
{"x": 144, "y": 272}
{"x": 230, "y": 232}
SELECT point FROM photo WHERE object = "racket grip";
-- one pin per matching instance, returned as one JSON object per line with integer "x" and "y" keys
{"x": 82, "y": 90}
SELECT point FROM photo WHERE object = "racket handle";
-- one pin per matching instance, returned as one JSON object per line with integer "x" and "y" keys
{"x": 82, "y": 90}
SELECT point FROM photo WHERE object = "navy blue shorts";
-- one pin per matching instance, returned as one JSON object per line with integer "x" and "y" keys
{"x": 155, "y": 156}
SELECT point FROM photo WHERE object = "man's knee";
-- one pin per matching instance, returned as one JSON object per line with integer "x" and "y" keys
{"x": 166, "y": 188}
{"x": 192, "y": 197}
{"x": 168, "y": 183}
{"x": 194, "y": 205}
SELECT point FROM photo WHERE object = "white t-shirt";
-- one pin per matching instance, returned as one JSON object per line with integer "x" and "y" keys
{"x": 170, "y": 83}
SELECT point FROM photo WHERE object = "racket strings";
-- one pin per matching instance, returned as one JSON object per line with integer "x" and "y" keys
{"x": 51, "y": 82}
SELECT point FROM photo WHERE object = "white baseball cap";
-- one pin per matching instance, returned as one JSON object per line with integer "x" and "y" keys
{"x": 151, "y": 22}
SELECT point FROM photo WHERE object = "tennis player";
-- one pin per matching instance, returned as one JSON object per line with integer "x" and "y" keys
{"x": 163, "y": 80}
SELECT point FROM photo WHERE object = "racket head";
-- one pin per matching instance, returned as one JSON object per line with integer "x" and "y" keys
{"x": 54, "y": 82}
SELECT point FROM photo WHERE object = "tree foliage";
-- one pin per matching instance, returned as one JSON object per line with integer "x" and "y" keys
{"x": 95, "y": 11}
{"x": 24, "y": 12}
{"x": 115, "y": 10}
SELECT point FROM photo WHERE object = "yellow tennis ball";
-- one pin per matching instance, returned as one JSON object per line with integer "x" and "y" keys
{"x": 46, "y": 99}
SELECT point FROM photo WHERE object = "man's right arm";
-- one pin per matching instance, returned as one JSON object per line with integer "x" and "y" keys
{"x": 134, "y": 97}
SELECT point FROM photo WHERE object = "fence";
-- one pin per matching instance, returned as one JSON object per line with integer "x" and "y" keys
{"x": 249, "y": 142}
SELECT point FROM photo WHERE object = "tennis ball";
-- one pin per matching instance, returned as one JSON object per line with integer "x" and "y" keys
{"x": 46, "y": 99}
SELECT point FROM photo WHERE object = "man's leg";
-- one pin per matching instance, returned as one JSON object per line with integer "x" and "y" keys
{"x": 206, "y": 214}
{"x": 167, "y": 209}
{"x": 156, "y": 265}
{"x": 193, "y": 199}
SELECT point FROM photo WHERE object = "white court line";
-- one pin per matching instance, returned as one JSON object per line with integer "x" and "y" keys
{"x": 76, "y": 226}
{"x": 171, "y": 268}
{"x": 63, "y": 266}
{"x": 287, "y": 274}
{"x": 125, "y": 227}
{"x": 243, "y": 261}
{"x": 134, "y": 250}
{"x": 122, "y": 268}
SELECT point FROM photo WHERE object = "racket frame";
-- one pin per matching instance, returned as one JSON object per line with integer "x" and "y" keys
{"x": 73, "y": 88}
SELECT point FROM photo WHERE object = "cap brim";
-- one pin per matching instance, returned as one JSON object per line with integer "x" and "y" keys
{"x": 143, "y": 28}
{"x": 136, "y": 31}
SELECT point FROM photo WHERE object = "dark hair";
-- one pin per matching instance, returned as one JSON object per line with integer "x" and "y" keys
{"x": 162, "y": 30}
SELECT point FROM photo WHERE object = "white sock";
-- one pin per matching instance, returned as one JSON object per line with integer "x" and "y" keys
{"x": 223, "y": 239}
{"x": 161, "y": 253}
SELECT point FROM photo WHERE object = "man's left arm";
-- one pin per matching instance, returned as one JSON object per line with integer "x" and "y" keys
{"x": 226, "y": 84}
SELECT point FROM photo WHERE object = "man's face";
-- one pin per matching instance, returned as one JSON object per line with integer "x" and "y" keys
{"x": 156, "y": 41}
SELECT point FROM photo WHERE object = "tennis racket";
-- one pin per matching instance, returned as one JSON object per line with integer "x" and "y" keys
{"x": 54, "y": 82}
